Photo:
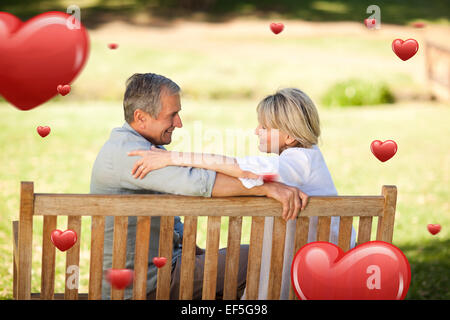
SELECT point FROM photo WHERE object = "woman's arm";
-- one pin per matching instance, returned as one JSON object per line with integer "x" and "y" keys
{"x": 156, "y": 158}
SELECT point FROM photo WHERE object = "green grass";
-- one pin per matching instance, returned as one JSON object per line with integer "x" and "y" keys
{"x": 62, "y": 163}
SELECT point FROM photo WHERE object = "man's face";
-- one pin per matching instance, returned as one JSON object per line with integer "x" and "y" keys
{"x": 159, "y": 131}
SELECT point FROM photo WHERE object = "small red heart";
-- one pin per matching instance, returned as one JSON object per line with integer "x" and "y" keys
{"x": 405, "y": 49}
{"x": 434, "y": 228}
{"x": 43, "y": 131}
{"x": 113, "y": 46}
{"x": 63, "y": 240}
{"x": 373, "y": 270}
{"x": 159, "y": 262}
{"x": 419, "y": 24}
{"x": 383, "y": 150}
{"x": 269, "y": 177}
{"x": 276, "y": 27}
{"x": 119, "y": 278}
{"x": 370, "y": 23}
{"x": 63, "y": 89}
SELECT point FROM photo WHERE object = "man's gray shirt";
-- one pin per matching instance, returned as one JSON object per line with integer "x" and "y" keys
{"x": 111, "y": 174}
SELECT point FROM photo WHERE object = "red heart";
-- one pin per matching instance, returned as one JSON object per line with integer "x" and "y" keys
{"x": 63, "y": 90}
{"x": 159, "y": 262}
{"x": 371, "y": 271}
{"x": 405, "y": 49}
{"x": 276, "y": 27}
{"x": 419, "y": 24}
{"x": 38, "y": 55}
{"x": 119, "y": 278}
{"x": 269, "y": 177}
{"x": 43, "y": 131}
{"x": 383, "y": 150}
{"x": 113, "y": 46}
{"x": 434, "y": 228}
{"x": 63, "y": 240}
{"x": 370, "y": 23}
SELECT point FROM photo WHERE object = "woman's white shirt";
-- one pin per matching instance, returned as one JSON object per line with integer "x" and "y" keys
{"x": 304, "y": 168}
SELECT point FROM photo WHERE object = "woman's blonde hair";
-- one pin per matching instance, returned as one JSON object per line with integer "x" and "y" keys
{"x": 293, "y": 112}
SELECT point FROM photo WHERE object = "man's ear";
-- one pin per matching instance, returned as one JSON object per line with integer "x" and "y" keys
{"x": 140, "y": 118}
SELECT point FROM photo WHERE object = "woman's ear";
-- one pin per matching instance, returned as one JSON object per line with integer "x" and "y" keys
{"x": 290, "y": 141}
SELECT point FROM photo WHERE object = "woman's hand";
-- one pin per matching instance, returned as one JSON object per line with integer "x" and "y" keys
{"x": 152, "y": 159}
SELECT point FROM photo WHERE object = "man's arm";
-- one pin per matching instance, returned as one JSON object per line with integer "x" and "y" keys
{"x": 292, "y": 199}
{"x": 200, "y": 182}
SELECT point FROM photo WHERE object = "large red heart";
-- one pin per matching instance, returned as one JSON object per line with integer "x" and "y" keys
{"x": 405, "y": 49}
{"x": 119, "y": 278}
{"x": 63, "y": 240}
{"x": 38, "y": 55}
{"x": 371, "y": 271}
{"x": 383, "y": 150}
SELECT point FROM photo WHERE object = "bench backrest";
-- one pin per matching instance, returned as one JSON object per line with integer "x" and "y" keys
{"x": 50, "y": 206}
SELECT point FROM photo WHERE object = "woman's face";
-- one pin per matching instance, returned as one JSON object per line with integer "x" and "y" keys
{"x": 270, "y": 140}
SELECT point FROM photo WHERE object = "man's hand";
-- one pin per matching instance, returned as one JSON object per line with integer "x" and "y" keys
{"x": 292, "y": 199}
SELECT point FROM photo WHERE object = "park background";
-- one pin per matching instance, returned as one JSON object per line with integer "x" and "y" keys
{"x": 225, "y": 58}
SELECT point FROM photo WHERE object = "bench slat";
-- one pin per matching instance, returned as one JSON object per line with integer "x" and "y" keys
{"x": 48, "y": 259}
{"x": 276, "y": 258}
{"x": 385, "y": 228}
{"x": 174, "y": 205}
{"x": 232, "y": 258}
{"x": 323, "y": 228}
{"x": 96, "y": 260}
{"x": 364, "y": 229}
{"x": 301, "y": 238}
{"x": 25, "y": 240}
{"x": 141, "y": 258}
{"x": 211, "y": 259}
{"x": 188, "y": 258}
{"x": 119, "y": 251}
{"x": 345, "y": 232}
{"x": 254, "y": 258}
{"x": 73, "y": 260}
{"x": 165, "y": 250}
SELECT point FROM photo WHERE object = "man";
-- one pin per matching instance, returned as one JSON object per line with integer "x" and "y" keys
{"x": 151, "y": 108}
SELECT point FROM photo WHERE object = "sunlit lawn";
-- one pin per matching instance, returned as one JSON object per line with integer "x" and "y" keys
{"x": 62, "y": 162}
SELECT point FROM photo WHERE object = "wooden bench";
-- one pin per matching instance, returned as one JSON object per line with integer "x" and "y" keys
{"x": 50, "y": 206}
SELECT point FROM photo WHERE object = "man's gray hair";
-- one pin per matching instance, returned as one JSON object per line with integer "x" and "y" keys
{"x": 144, "y": 92}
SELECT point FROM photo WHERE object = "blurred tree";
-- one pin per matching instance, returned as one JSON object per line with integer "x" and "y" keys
{"x": 392, "y": 11}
